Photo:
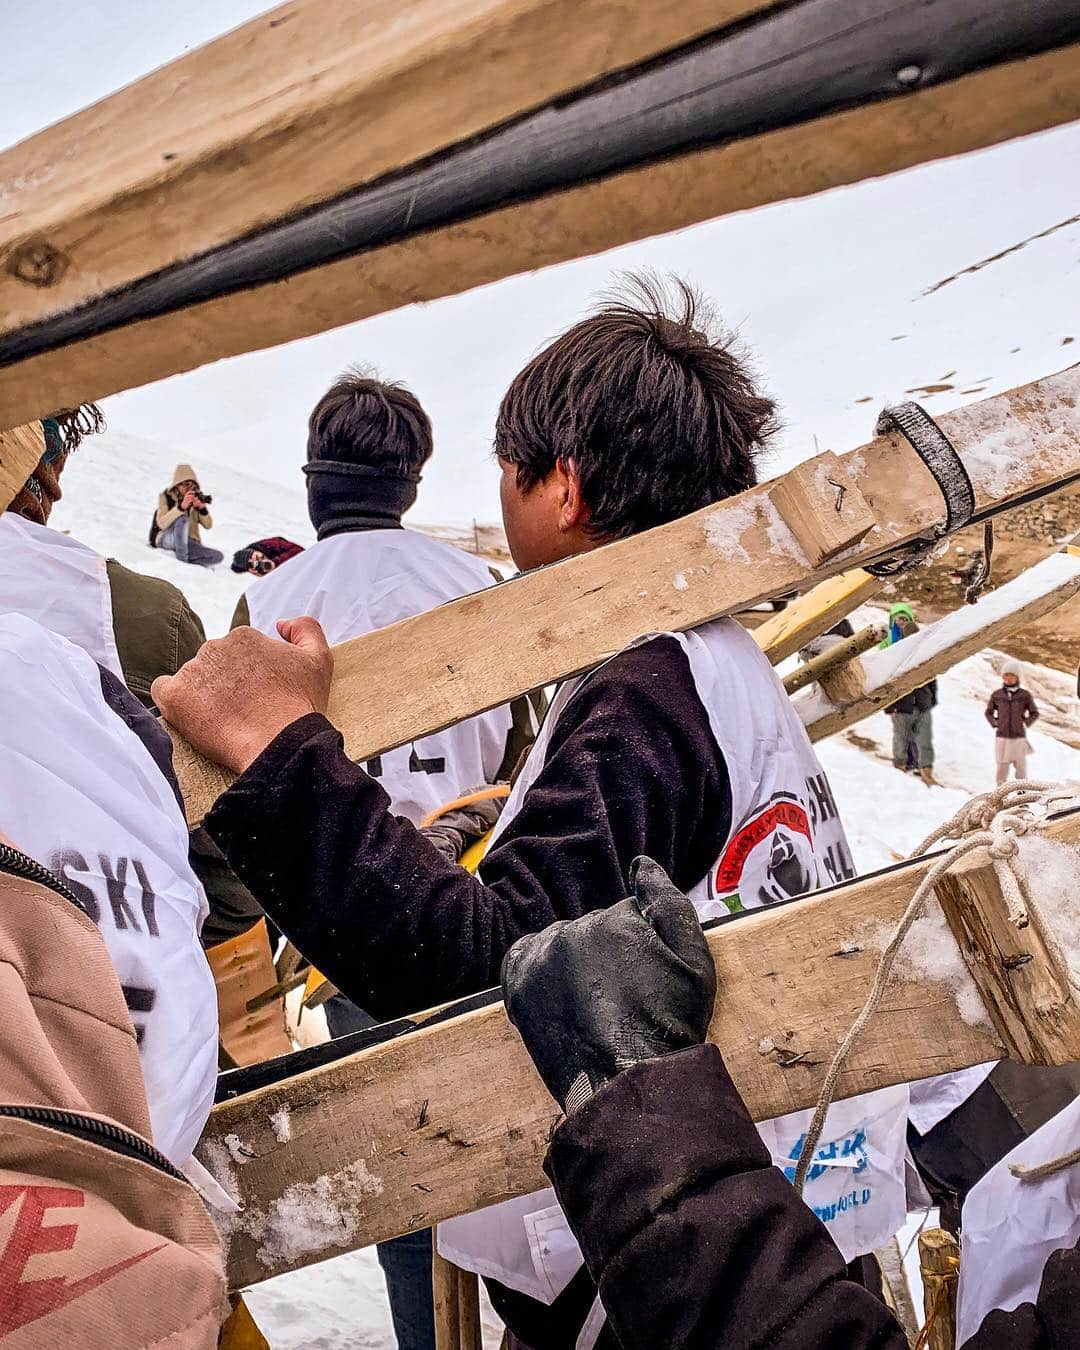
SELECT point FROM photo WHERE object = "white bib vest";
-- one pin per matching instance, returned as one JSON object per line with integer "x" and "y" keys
{"x": 785, "y": 839}
{"x": 357, "y": 582}
{"x": 1013, "y": 1227}
{"x": 59, "y": 583}
{"x": 80, "y": 793}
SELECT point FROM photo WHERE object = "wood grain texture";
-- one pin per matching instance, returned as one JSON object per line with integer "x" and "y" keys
{"x": 939, "y": 1265}
{"x": 814, "y": 613}
{"x": 20, "y": 450}
{"x": 980, "y": 109}
{"x": 957, "y": 636}
{"x": 294, "y": 108}
{"x": 1021, "y": 972}
{"x": 425, "y": 673}
{"x": 453, "y": 1117}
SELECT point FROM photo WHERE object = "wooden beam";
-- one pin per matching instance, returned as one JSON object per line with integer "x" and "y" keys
{"x": 418, "y": 676}
{"x": 292, "y": 109}
{"x": 452, "y": 1117}
{"x": 982, "y": 108}
{"x": 895, "y": 671}
{"x": 814, "y": 613}
{"x": 20, "y": 451}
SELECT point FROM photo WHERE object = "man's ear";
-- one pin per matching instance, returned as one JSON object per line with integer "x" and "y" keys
{"x": 573, "y": 511}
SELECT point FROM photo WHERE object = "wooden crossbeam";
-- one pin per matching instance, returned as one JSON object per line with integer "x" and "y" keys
{"x": 935, "y": 648}
{"x": 814, "y": 613}
{"x": 453, "y": 1117}
{"x": 20, "y": 451}
{"x": 82, "y": 222}
{"x": 418, "y": 676}
{"x": 292, "y": 109}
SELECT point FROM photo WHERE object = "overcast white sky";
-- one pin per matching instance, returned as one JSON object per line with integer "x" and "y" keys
{"x": 828, "y": 291}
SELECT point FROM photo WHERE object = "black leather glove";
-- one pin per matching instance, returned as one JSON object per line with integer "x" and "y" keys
{"x": 600, "y": 993}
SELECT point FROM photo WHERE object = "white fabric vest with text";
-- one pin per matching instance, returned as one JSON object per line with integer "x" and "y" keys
{"x": 59, "y": 583}
{"x": 786, "y": 838}
{"x": 81, "y": 793}
{"x": 357, "y": 582}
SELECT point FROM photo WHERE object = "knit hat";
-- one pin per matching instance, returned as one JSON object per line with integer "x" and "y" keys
{"x": 1010, "y": 668}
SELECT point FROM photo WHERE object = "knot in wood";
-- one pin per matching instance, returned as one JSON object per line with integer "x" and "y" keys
{"x": 37, "y": 262}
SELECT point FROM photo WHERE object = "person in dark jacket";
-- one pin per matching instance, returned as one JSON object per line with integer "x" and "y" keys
{"x": 912, "y": 715}
{"x": 693, "y": 1237}
{"x": 609, "y": 431}
{"x": 1010, "y": 712}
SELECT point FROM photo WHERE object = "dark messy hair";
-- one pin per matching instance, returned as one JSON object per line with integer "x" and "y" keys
{"x": 362, "y": 420}
{"x": 75, "y": 424}
{"x": 658, "y": 417}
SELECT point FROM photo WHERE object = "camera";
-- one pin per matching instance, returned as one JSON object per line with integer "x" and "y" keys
{"x": 261, "y": 567}
{"x": 205, "y": 498}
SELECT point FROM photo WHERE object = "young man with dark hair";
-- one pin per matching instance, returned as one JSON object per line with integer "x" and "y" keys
{"x": 683, "y": 747}
{"x": 368, "y": 442}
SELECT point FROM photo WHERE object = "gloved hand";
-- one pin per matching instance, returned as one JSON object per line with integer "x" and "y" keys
{"x": 600, "y": 993}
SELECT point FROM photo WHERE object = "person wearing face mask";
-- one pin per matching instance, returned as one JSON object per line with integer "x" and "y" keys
{"x": 1010, "y": 711}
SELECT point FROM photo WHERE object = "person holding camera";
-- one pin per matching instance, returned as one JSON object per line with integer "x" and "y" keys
{"x": 182, "y": 513}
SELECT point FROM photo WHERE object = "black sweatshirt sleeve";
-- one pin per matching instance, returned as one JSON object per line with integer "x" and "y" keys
{"x": 632, "y": 767}
{"x": 693, "y": 1238}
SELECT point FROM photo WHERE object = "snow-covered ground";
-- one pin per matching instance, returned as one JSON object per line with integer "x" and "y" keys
{"x": 110, "y": 489}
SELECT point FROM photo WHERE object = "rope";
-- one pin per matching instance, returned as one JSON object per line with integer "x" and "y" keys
{"x": 994, "y": 821}
{"x": 1046, "y": 1169}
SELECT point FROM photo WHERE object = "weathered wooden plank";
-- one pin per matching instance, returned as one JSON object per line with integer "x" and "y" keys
{"x": 418, "y": 676}
{"x": 20, "y": 450}
{"x": 292, "y": 109}
{"x": 243, "y": 970}
{"x": 982, "y": 108}
{"x": 453, "y": 1117}
{"x": 814, "y": 613}
{"x": 897, "y": 670}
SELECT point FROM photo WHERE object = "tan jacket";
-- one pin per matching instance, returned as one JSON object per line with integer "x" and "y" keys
{"x": 103, "y": 1245}
{"x": 168, "y": 508}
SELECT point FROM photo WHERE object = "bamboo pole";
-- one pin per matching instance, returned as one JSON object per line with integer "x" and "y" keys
{"x": 830, "y": 660}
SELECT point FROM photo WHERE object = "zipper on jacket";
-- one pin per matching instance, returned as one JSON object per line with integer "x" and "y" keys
{"x": 19, "y": 865}
{"x": 103, "y": 1132}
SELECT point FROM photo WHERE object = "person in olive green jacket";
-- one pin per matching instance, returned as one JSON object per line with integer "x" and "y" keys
{"x": 139, "y": 627}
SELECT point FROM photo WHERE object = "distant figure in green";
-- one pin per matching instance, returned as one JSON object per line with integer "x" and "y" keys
{"x": 912, "y": 715}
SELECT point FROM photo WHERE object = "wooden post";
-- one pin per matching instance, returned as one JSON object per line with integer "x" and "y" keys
{"x": 894, "y": 1280}
{"x": 444, "y": 1279}
{"x": 1024, "y": 980}
{"x": 939, "y": 1264}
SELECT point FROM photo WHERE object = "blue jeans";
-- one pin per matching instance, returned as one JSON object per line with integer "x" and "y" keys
{"x": 177, "y": 539}
{"x": 406, "y": 1260}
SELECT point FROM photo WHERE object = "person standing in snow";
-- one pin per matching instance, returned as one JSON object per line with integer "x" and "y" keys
{"x": 634, "y": 417}
{"x": 912, "y": 715}
{"x": 368, "y": 442}
{"x": 183, "y": 512}
{"x": 1010, "y": 712}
